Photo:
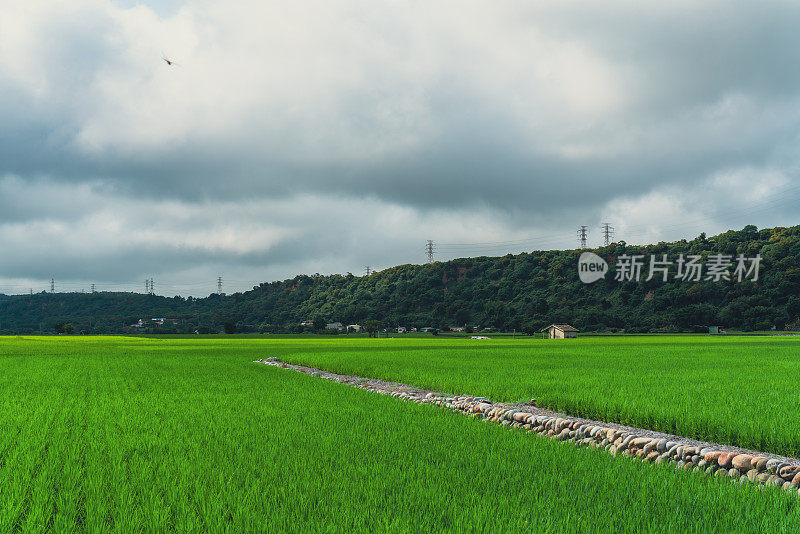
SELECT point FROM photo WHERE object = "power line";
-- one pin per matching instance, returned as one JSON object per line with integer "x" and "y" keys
{"x": 582, "y": 232}
{"x": 500, "y": 249}
{"x": 540, "y": 242}
{"x": 493, "y": 243}
{"x": 608, "y": 233}
{"x": 788, "y": 196}
{"x": 429, "y": 248}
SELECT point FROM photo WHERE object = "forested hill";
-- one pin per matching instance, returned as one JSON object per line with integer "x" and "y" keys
{"x": 524, "y": 292}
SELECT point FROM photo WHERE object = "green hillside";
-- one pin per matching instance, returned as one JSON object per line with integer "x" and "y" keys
{"x": 523, "y": 292}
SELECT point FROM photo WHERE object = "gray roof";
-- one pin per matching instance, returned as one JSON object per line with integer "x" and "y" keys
{"x": 562, "y": 327}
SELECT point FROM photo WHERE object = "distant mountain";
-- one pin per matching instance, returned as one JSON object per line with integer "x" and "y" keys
{"x": 524, "y": 292}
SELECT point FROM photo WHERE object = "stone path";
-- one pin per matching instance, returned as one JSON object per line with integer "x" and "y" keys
{"x": 742, "y": 465}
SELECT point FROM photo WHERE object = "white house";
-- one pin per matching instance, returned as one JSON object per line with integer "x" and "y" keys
{"x": 560, "y": 331}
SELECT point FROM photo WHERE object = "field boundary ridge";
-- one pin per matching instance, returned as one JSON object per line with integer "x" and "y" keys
{"x": 737, "y": 464}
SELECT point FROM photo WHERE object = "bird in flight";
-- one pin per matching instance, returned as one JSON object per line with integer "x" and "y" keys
{"x": 169, "y": 61}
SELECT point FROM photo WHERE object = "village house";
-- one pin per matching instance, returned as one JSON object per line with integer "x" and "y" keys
{"x": 157, "y": 320}
{"x": 560, "y": 331}
{"x": 161, "y": 321}
{"x": 355, "y": 328}
{"x": 335, "y": 326}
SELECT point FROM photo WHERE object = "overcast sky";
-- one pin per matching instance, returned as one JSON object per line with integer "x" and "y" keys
{"x": 319, "y": 136}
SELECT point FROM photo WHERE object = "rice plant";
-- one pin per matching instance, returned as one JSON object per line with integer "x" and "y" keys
{"x": 124, "y": 434}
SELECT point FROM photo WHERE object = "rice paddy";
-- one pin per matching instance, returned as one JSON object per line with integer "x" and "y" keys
{"x": 132, "y": 434}
{"x": 739, "y": 390}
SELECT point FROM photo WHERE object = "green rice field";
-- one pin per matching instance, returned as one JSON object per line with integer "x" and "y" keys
{"x": 739, "y": 390}
{"x": 143, "y": 434}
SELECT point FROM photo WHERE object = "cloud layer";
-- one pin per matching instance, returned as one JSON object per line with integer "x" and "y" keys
{"x": 325, "y": 136}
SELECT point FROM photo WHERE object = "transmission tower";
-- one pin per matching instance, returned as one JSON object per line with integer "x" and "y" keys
{"x": 146, "y": 286}
{"x": 219, "y": 285}
{"x": 367, "y": 270}
{"x": 93, "y": 290}
{"x": 152, "y": 286}
{"x": 52, "y": 285}
{"x": 429, "y": 248}
{"x": 582, "y": 232}
{"x": 608, "y": 233}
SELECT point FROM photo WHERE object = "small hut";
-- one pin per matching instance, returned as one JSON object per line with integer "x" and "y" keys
{"x": 560, "y": 331}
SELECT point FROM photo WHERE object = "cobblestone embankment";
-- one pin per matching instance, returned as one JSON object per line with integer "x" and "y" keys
{"x": 737, "y": 464}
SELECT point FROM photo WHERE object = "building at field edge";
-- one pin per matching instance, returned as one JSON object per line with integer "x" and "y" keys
{"x": 560, "y": 331}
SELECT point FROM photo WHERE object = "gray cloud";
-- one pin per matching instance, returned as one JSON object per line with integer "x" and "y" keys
{"x": 341, "y": 134}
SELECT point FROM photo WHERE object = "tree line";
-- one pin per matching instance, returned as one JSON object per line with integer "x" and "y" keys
{"x": 522, "y": 292}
